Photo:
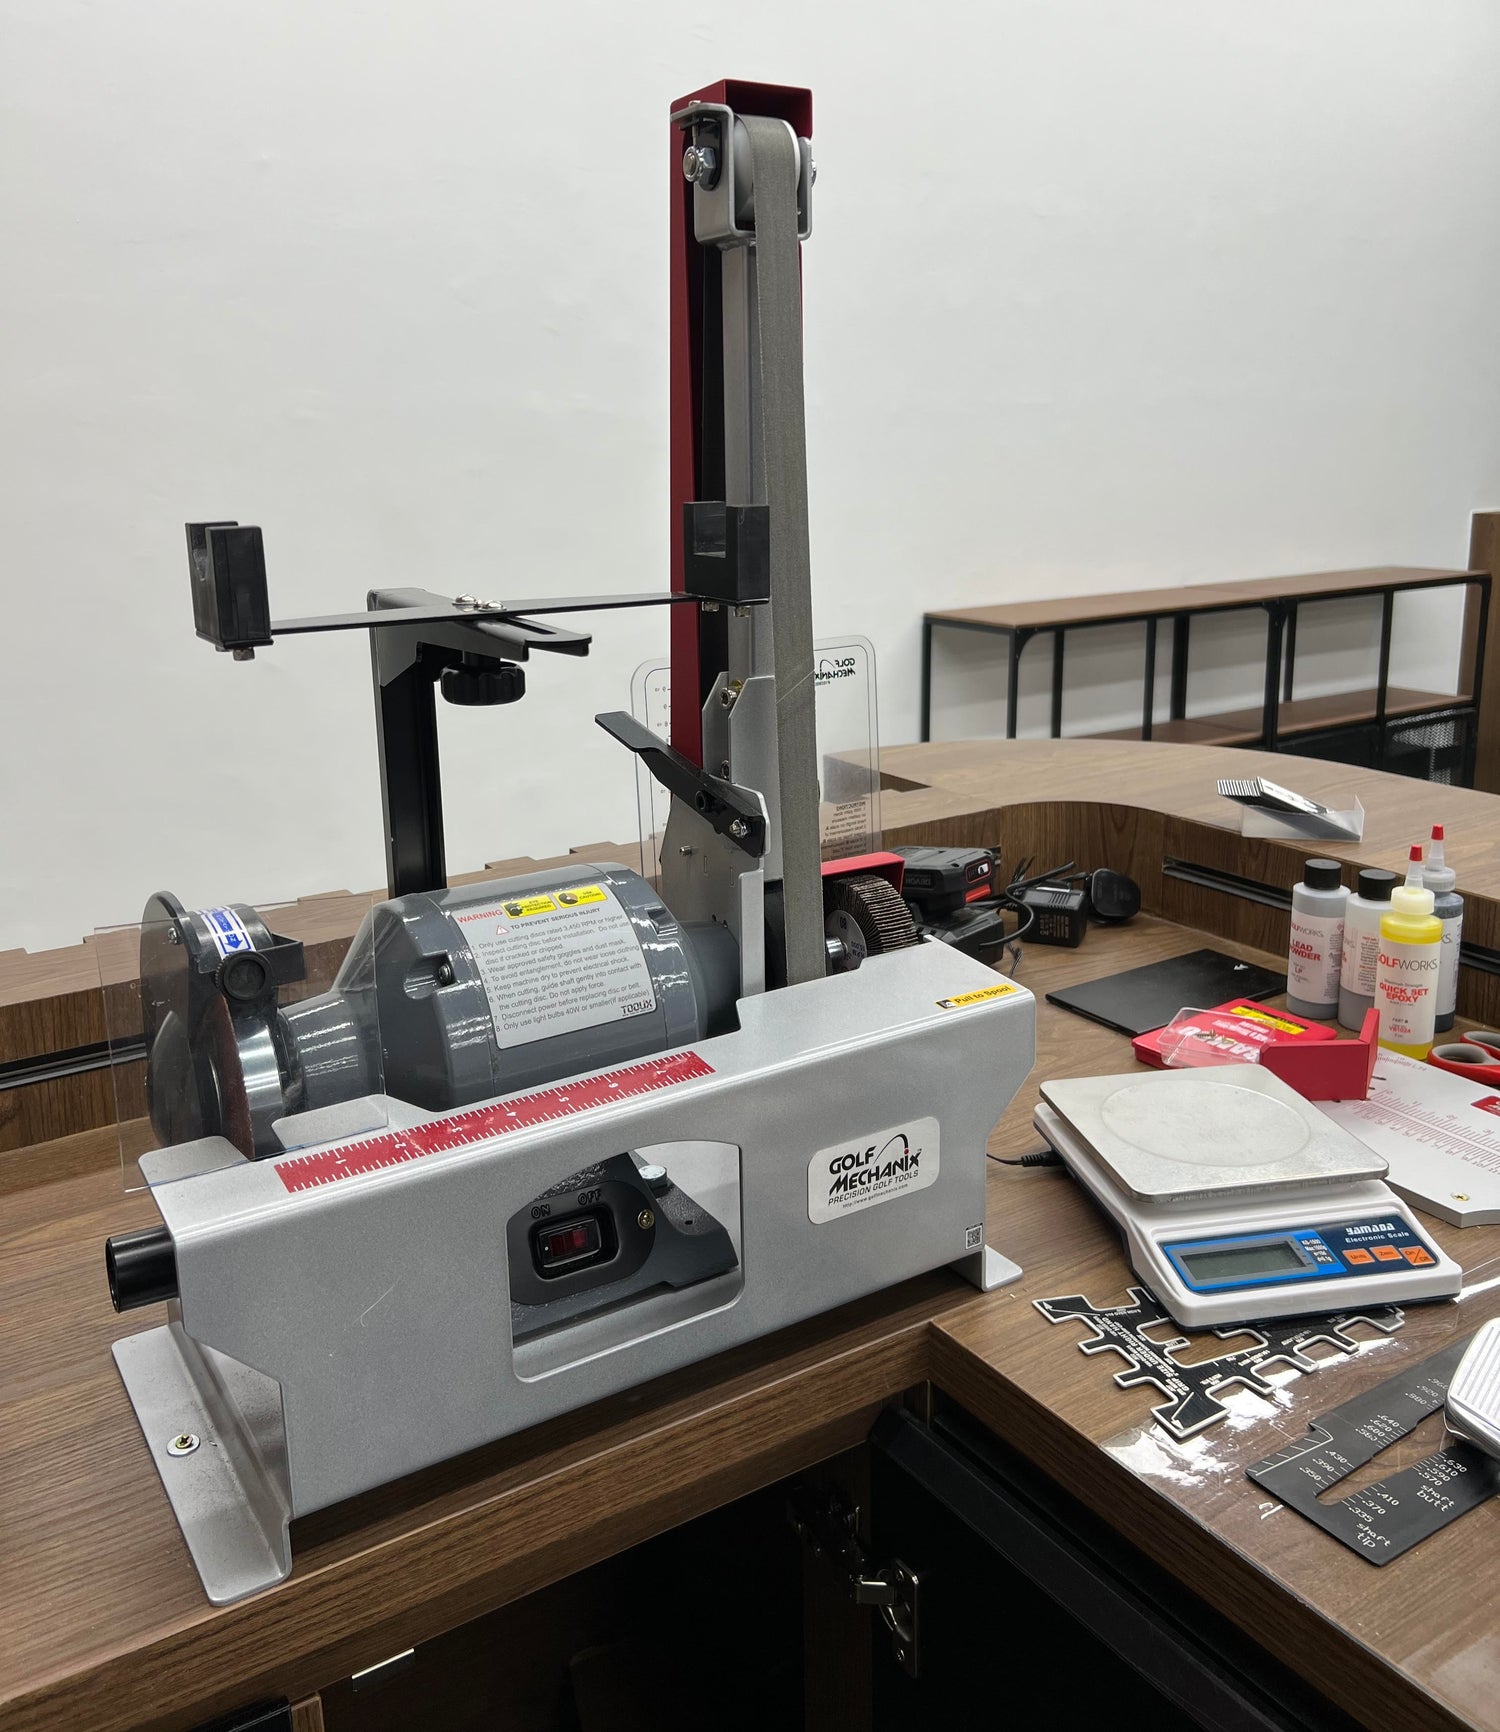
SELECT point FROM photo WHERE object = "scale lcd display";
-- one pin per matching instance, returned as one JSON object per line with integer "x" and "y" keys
{"x": 1243, "y": 1262}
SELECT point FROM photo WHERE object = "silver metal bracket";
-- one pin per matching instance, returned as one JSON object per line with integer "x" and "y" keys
{"x": 987, "y": 1269}
{"x": 829, "y": 1525}
{"x": 214, "y": 1431}
{"x": 723, "y": 186}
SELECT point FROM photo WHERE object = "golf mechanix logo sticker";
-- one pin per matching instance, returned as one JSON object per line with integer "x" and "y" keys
{"x": 872, "y": 1169}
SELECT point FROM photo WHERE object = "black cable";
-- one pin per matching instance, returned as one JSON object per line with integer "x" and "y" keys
{"x": 1037, "y": 1158}
{"x": 1026, "y": 922}
{"x": 1027, "y": 919}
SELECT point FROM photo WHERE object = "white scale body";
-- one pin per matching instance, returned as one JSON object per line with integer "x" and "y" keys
{"x": 1238, "y": 1199}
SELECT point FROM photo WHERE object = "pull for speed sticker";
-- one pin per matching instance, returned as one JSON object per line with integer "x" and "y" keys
{"x": 1000, "y": 989}
{"x": 872, "y": 1169}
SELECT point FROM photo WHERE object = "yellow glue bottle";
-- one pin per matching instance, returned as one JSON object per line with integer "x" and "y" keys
{"x": 1406, "y": 968}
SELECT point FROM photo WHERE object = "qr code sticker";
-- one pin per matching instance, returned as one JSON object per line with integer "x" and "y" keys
{"x": 974, "y": 1237}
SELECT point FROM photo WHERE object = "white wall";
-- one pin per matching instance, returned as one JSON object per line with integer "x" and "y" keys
{"x": 1100, "y": 295}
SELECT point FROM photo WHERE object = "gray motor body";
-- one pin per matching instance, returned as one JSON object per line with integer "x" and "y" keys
{"x": 415, "y": 1014}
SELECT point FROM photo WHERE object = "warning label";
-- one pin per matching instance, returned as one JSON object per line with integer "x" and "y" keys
{"x": 872, "y": 1169}
{"x": 1284, "y": 1023}
{"x": 558, "y": 962}
{"x": 999, "y": 990}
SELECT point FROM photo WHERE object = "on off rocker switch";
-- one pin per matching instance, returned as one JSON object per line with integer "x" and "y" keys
{"x": 564, "y": 1246}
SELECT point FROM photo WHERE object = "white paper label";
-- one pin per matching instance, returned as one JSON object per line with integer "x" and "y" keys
{"x": 866, "y": 1170}
{"x": 1447, "y": 986}
{"x": 1361, "y": 948}
{"x": 1312, "y": 967}
{"x": 556, "y": 961}
{"x": 1406, "y": 978}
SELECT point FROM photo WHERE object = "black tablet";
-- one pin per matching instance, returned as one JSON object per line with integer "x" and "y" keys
{"x": 1149, "y": 997}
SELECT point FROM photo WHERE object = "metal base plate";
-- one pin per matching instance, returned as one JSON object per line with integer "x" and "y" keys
{"x": 212, "y": 1471}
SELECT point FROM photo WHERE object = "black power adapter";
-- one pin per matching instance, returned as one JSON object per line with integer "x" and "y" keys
{"x": 1062, "y": 913}
{"x": 1063, "y": 906}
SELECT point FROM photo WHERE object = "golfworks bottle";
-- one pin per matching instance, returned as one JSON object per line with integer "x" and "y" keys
{"x": 1406, "y": 969}
{"x": 1317, "y": 941}
{"x": 1448, "y": 906}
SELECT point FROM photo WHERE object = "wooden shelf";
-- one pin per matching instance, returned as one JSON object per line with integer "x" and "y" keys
{"x": 1079, "y": 610}
{"x": 1279, "y": 601}
{"x": 1297, "y": 716}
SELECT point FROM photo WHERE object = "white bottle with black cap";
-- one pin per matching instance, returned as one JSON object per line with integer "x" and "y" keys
{"x": 1440, "y": 878}
{"x": 1317, "y": 941}
{"x": 1362, "y": 912}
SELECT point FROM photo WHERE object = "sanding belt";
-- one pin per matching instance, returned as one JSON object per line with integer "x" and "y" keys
{"x": 775, "y": 159}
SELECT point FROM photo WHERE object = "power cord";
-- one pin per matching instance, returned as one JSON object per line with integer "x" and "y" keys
{"x": 1037, "y": 1158}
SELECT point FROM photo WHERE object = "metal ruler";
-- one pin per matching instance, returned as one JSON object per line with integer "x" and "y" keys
{"x": 479, "y": 1124}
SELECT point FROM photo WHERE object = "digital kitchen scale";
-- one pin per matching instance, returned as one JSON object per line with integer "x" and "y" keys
{"x": 1237, "y": 1198}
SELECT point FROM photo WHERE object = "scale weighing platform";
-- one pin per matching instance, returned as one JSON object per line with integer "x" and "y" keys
{"x": 1237, "y": 1198}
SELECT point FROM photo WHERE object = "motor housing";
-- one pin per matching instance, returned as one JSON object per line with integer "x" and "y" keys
{"x": 444, "y": 998}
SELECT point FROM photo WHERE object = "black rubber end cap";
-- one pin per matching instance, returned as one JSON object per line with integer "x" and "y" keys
{"x": 142, "y": 1268}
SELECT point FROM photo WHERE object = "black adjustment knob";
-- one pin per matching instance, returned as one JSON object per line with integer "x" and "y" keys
{"x": 242, "y": 976}
{"x": 142, "y": 1268}
{"x": 501, "y": 683}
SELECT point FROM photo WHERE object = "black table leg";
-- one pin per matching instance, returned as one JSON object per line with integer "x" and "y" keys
{"x": 1012, "y": 690}
{"x": 1382, "y": 681}
{"x": 1148, "y": 705}
{"x": 926, "y": 680}
{"x": 1275, "y": 625}
{"x": 1181, "y": 625}
{"x": 1057, "y": 681}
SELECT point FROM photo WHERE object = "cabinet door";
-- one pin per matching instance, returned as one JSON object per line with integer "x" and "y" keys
{"x": 1031, "y": 1612}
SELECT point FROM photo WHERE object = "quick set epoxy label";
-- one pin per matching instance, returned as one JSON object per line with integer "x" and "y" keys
{"x": 871, "y": 1169}
{"x": 556, "y": 961}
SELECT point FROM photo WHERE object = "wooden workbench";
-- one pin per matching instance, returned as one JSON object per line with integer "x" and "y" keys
{"x": 103, "y": 1624}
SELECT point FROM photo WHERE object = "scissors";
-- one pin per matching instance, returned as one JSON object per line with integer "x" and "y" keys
{"x": 1476, "y": 1056}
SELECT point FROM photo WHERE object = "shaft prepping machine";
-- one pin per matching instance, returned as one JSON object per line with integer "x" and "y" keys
{"x": 546, "y": 1138}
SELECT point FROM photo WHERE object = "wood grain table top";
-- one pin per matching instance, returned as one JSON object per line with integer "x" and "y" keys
{"x": 103, "y": 1624}
{"x": 1071, "y": 610}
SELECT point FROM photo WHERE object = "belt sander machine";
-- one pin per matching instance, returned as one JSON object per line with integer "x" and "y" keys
{"x": 547, "y": 1137}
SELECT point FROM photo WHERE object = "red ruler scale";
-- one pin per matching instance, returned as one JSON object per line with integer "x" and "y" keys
{"x": 457, "y": 1130}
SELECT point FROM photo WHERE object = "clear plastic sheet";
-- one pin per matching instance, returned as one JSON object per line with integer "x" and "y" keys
{"x": 848, "y": 739}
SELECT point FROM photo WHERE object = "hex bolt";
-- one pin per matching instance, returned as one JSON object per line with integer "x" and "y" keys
{"x": 738, "y": 828}
{"x": 184, "y": 1443}
{"x": 445, "y": 974}
{"x": 645, "y": 1220}
{"x": 700, "y": 165}
{"x": 724, "y": 768}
